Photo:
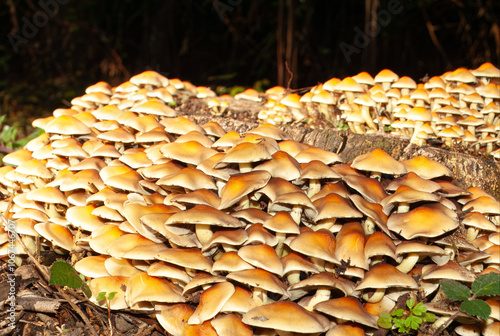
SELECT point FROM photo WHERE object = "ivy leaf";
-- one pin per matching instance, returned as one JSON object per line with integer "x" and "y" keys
{"x": 476, "y": 307}
{"x": 419, "y": 309}
{"x": 385, "y": 320}
{"x": 454, "y": 290}
{"x": 487, "y": 284}
{"x": 63, "y": 274}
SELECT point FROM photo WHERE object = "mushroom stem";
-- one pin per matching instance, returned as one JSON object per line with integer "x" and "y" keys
{"x": 203, "y": 233}
{"x": 403, "y": 207}
{"x": 293, "y": 277}
{"x": 472, "y": 233}
{"x": 358, "y": 128}
{"x": 245, "y": 167}
{"x": 365, "y": 112}
{"x": 319, "y": 263}
{"x": 376, "y": 175}
{"x": 314, "y": 187}
{"x": 408, "y": 263}
{"x": 259, "y": 296}
{"x": 369, "y": 226}
{"x": 296, "y": 213}
{"x": 322, "y": 294}
{"x": 376, "y": 297}
{"x": 328, "y": 224}
{"x": 281, "y": 236}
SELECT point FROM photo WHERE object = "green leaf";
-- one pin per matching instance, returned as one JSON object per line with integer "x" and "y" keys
{"x": 429, "y": 317}
{"x": 476, "y": 307}
{"x": 86, "y": 290}
{"x": 413, "y": 322}
{"x": 410, "y": 303}
{"x": 419, "y": 309}
{"x": 385, "y": 320}
{"x": 454, "y": 290}
{"x": 111, "y": 295}
{"x": 398, "y": 312}
{"x": 63, "y": 274}
{"x": 487, "y": 284}
{"x": 399, "y": 323}
{"x": 101, "y": 296}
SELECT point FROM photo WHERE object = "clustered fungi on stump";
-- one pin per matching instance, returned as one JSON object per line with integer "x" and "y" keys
{"x": 240, "y": 234}
{"x": 460, "y": 107}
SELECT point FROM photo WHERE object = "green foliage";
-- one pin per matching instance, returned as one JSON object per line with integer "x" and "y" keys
{"x": 388, "y": 128}
{"x": 342, "y": 127}
{"x": 103, "y": 297}
{"x": 9, "y": 135}
{"x": 63, "y": 274}
{"x": 484, "y": 285}
{"x": 406, "y": 320}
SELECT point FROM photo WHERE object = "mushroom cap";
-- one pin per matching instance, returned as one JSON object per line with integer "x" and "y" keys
{"x": 204, "y": 214}
{"x": 369, "y": 188}
{"x": 186, "y": 257}
{"x": 59, "y": 235}
{"x": 134, "y": 246}
{"x": 426, "y": 168}
{"x": 422, "y": 221}
{"x": 324, "y": 280}
{"x": 286, "y": 316}
{"x": 229, "y": 325}
{"x": 262, "y": 256}
{"x": 380, "y": 244}
{"x": 347, "y": 308}
{"x": 173, "y": 317}
{"x": 66, "y": 125}
{"x": 379, "y": 161}
{"x": 259, "y": 278}
{"x": 450, "y": 270}
{"x": 240, "y": 185}
{"x": 187, "y": 178}
{"x": 211, "y": 302}
{"x": 245, "y": 152}
{"x": 92, "y": 266}
{"x": 318, "y": 244}
{"x": 144, "y": 287}
{"x": 230, "y": 262}
{"x": 282, "y": 165}
{"x": 110, "y": 284}
{"x": 383, "y": 275}
{"x": 335, "y": 206}
{"x": 414, "y": 181}
{"x": 191, "y": 152}
{"x": 350, "y": 244}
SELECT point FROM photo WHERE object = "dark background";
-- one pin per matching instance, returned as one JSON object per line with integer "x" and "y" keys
{"x": 223, "y": 43}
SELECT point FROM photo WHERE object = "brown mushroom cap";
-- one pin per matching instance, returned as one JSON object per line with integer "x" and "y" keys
{"x": 426, "y": 168}
{"x": 211, "y": 302}
{"x": 143, "y": 287}
{"x": 286, "y": 316}
{"x": 421, "y": 222}
{"x": 378, "y": 161}
{"x": 347, "y": 308}
{"x": 110, "y": 284}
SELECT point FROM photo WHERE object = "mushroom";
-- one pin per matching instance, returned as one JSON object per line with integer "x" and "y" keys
{"x": 288, "y": 317}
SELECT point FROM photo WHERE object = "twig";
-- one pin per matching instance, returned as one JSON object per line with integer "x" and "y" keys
{"x": 290, "y": 73}
{"x": 445, "y": 325}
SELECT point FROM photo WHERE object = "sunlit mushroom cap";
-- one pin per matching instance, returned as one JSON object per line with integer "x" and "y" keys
{"x": 143, "y": 287}
{"x": 110, "y": 284}
{"x": 378, "y": 161}
{"x": 286, "y": 316}
{"x": 347, "y": 308}
{"x": 421, "y": 222}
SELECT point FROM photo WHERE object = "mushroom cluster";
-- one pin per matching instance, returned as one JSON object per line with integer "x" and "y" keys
{"x": 459, "y": 107}
{"x": 240, "y": 234}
